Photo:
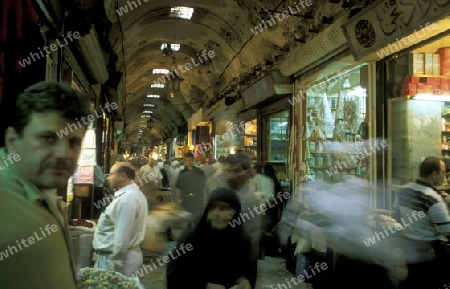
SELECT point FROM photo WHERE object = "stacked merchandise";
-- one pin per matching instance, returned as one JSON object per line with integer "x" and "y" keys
{"x": 429, "y": 73}
{"x": 444, "y": 54}
{"x": 413, "y": 85}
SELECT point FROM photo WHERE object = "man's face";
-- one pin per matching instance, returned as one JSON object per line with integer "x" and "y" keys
{"x": 113, "y": 178}
{"x": 236, "y": 175}
{"x": 219, "y": 214}
{"x": 440, "y": 177}
{"x": 189, "y": 162}
{"x": 46, "y": 160}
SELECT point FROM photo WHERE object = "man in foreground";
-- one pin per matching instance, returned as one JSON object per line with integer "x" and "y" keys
{"x": 427, "y": 223}
{"x": 35, "y": 248}
{"x": 121, "y": 228}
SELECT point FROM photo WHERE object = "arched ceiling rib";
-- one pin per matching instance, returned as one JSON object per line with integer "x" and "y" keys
{"x": 223, "y": 26}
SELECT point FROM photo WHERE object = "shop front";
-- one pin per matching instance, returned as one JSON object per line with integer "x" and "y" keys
{"x": 230, "y": 136}
{"x": 332, "y": 124}
{"x": 336, "y": 127}
{"x": 413, "y": 72}
{"x": 268, "y": 128}
{"x": 275, "y": 138}
{"x": 419, "y": 106}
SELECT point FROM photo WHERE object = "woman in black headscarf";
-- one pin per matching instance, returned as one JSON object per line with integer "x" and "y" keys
{"x": 221, "y": 251}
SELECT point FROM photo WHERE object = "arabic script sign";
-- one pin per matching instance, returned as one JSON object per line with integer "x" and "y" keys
{"x": 387, "y": 21}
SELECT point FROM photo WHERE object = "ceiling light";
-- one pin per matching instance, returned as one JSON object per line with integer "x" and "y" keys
{"x": 157, "y": 85}
{"x": 174, "y": 47}
{"x": 153, "y": 96}
{"x": 181, "y": 12}
{"x": 148, "y": 111}
{"x": 160, "y": 71}
{"x": 149, "y": 105}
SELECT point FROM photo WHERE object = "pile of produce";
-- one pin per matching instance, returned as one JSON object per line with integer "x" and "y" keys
{"x": 91, "y": 278}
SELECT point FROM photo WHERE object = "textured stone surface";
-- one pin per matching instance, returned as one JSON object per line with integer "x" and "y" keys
{"x": 222, "y": 26}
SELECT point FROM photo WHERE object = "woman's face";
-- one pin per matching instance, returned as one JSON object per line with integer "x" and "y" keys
{"x": 219, "y": 214}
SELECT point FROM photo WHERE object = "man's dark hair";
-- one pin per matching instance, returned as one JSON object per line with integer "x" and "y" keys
{"x": 44, "y": 96}
{"x": 189, "y": 155}
{"x": 131, "y": 174}
{"x": 429, "y": 165}
{"x": 239, "y": 158}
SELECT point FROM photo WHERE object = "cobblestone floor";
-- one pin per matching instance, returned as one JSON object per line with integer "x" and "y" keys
{"x": 271, "y": 275}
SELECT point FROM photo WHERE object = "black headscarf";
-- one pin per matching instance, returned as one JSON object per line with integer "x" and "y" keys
{"x": 218, "y": 256}
{"x": 270, "y": 172}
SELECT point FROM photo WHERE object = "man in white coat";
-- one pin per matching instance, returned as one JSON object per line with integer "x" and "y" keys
{"x": 121, "y": 228}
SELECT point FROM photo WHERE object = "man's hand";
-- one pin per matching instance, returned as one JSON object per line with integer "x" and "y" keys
{"x": 214, "y": 286}
{"x": 243, "y": 283}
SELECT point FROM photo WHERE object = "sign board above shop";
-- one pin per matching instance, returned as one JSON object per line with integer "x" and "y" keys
{"x": 273, "y": 84}
{"x": 389, "y": 26}
{"x": 219, "y": 109}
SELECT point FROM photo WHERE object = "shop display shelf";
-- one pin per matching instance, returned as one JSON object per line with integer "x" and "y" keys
{"x": 333, "y": 153}
{"x": 325, "y": 168}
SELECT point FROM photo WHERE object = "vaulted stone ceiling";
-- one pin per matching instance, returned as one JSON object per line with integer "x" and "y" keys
{"x": 222, "y": 26}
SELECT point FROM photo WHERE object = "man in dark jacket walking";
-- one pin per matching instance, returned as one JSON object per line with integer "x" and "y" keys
{"x": 190, "y": 185}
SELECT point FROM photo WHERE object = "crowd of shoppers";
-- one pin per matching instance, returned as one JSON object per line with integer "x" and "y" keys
{"x": 217, "y": 194}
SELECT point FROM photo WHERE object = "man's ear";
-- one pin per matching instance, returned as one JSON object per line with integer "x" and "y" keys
{"x": 11, "y": 137}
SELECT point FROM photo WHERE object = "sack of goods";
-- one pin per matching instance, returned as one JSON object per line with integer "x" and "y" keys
{"x": 103, "y": 279}
{"x": 165, "y": 223}
{"x": 380, "y": 221}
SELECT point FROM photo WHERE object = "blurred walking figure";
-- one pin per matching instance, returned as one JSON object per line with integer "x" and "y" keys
{"x": 165, "y": 179}
{"x": 237, "y": 171}
{"x": 207, "y": 165}
{"x": 151, "y": 173}
{"x": 174, "y": 170}
{"x": 427, "y": 227}
{"x": 217, "y": 180}
{"x": 275, "y": 212}
{"x": 263, "y": 184}
{"x": 99, "y": 181}
{"x": 121, "y": 228}
{"x": 190, "y": 185}
{"x": 221, "y": 255}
